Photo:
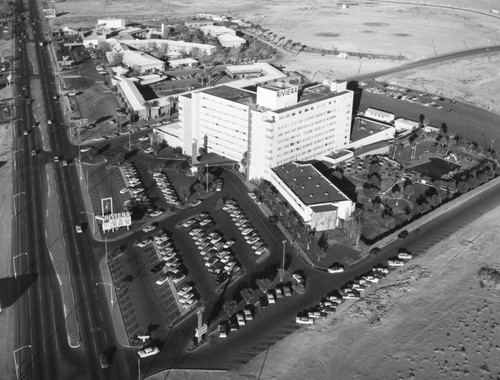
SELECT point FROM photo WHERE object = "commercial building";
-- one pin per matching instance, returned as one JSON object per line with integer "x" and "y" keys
{"x": 379, "y": 115}
{"x": 114, "y": 23}
{"x": 142, "y": 62}
{"x": 171, "y": 46}
{"x": 270, "y": 123}
{"x": 366, "y": 132}
{"x": 314, "y": 197}
{"x": 182, "y": 63}
{"x": 217, "y": 30}
{"x": 405, "y": 125}
{"x": 231, "y": 40}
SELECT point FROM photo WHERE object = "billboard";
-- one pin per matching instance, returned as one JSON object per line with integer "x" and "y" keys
{"x": 115, "y": 221}
{"x": 107, "y": 206}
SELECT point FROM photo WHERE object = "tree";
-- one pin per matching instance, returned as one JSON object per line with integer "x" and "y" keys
{"x": 198, "y": 187}
{"x": 323, "y": 242}
{"x": 264, "y": 284}
{"x": 396, "y": 192}
{"x": 184, "y": 193}
{"x": 409, "y": 190}
{"x": 230, "y": 307}
{"x": 248, "y": 295}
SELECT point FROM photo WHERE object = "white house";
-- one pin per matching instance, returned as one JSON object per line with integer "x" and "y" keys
{"x": 231, "y": 40}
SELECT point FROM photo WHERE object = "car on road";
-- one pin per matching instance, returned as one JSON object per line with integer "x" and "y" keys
{"x": 195, "y": 203}
{"x": 56, "y": 159}
{"x": 143, "y": 138}
{"x": 124, "y": 190}
{"x": 156, "y": 213}
{"x": 304, "y": 320}
{"x": 149, "y": 150}
{"x": 149, "y": 228}
{"x": 85, "y": 149}
{"x": 403, "y": 234}
{"x": 78, "y": 229}
{"x": 148, "y": 351}
{"x": 103, "y": 361}
{"x": 33, "y": 152}
{"x": 336, "y": 269}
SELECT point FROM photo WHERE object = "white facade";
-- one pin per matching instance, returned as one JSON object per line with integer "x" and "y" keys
{"x": 403, "y": 125}
{"x": 142, "y": 62}
{"x": 217, "y": 30}
{"x": 274, "y": 125}
{"x": 171, "y": 46}
{"x": 111, "y": 23}
{"x": 318, "y": 202}
{"x": 375, "y": 114}
{"x": 231, "y": 40}
{"x": 171, "y": 133}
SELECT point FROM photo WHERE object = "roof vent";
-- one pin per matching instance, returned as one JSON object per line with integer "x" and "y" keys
{"x": 303, "y": 187}
{"x": 309, "y": 177}
{"x": 317, "y": 185}
{"x": 288, "y": 172}
{"x": 326, "y": 192}
{"x": 311, "y": 195}
{"x": 295, "y": 178}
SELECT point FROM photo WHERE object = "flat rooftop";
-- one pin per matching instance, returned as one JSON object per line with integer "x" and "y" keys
{"x": 363, "y": 127}
{"x": 308, "y": 184}
{"x": 311, "y": 95}
{"x": 233, "y": 94}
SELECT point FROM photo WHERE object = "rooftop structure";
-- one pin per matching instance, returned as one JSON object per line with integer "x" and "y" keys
{"x": 217, "y": 30}
{"x": 231, "y": 40}
{"x": 142, "y": 62}
{"x": 318, "y": 201}
{"x": 379, "y": 115}
{"x": 183, "y": 62}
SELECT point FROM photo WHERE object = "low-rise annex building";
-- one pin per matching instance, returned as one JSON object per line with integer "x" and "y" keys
{"x": 314, "y": 197}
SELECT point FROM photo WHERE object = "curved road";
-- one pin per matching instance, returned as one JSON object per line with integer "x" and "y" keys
{"x": 425, "y": 62}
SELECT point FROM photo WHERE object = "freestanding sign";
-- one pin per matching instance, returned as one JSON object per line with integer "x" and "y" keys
{"x": 115, "y": 221}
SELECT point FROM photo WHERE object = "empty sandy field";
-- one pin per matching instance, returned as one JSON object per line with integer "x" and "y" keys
{"x": 411, "y": 30}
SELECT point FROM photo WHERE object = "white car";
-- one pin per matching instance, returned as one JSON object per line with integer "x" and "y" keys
{"x": 260, "y": 250}
{"x": 162, "y": 280}
{"x": 228, "y": 243}
{"x": 253, "y": 240}
{"x": 395, "y": 263}
{"x": 149, "y": 150}
{"x": 246, "y": 231}
{"x": 184, "y": 290}
{"x": 404, "y": 256}
{"x": 149, "y": 228}
{"x": 124, "y": 190}
{"x": 195, "y": 203}
{"x": 148, "y": 351}
{"x": 78, "y": 229}
{"x": 188, "y": 223}
{"x": 144, "y": 243}
{"x": 156, "y": 213}
{"x": 143, "y": 138}
{"x": 335, "y": 269}
{"x": 304, "y": 320}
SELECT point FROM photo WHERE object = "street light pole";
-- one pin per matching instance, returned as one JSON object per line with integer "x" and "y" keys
{"x": 14, "y": 201}
{"x": 14, "y": 262}
{"x": 139, "y": 368}
{"x": 206, "y": 166}
{"x": 110, "y": 290}
{"x": 283, "y": 242}
{"x": 15, "y": 361}
{"x": 129, "y": 144}
{"x": 491, "y": 147}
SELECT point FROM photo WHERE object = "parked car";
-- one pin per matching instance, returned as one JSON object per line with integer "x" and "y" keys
{"x": 404, "y": 256}
{"x": 149, "y": 228}
{"x": 336, "y": 269}
{"x": 223, "y": 330}
{"x": 304, "y": 320}
{"x": 148, "y": 351}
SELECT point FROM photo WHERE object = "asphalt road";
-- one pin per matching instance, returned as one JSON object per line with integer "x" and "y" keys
{"x": 425, "y": 62}
{"x": 42, "y": 343}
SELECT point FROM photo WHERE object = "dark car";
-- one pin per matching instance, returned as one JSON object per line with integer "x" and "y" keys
{"x": 403, "y": 234}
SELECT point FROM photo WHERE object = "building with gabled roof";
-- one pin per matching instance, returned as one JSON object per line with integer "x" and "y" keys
{"x": 320, "y": 203}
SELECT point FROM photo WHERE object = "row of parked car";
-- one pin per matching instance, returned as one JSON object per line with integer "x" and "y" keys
{"x": 219, "y": 259}
{"x": 352, "y": 290}
{"x": 170, "y": 264}
{"x": 242, "y": 223}
{"x": 134, "y": 187}
{"x": 279, "y": 292}
{"x": 236, "y": 321}
{"x": 166, "y": 188}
